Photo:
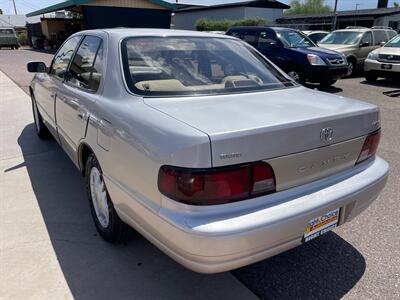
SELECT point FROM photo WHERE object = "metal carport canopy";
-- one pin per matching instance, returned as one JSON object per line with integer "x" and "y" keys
{"x": 71, "y": 3}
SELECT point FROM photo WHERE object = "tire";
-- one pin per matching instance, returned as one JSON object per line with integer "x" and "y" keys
{"x": 370, "y": 77}
{"x": 327, "y": 83}
{"x": 352, "y": 68}
{"x": 108, "y": 224}
{"x": 297, "y": 76}
{"x": 41, "y": 130}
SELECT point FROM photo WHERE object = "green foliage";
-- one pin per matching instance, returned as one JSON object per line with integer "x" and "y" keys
{"x": 205, "y": 24}
{"x": 23, "y": 39}
{"x": 298, "y": 7}
{"x": 1, "y": 11}
{"x": 396, "y": 4}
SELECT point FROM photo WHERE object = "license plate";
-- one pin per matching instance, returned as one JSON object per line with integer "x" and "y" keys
{"x": 321, "y": 225}
{"x": 386, "y": 66}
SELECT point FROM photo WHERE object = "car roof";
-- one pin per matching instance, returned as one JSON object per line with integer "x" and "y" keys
{"x": 149, "y": 32}
{"x": 263, "y": 27}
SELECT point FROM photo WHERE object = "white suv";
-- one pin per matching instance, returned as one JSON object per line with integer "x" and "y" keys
{"x": 384, "y": 62}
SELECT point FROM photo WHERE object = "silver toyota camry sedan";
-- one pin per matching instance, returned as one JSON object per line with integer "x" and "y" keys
{"x": 204, "y": 146}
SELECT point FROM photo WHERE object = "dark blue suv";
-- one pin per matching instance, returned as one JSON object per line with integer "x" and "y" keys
{"x": 295, "y": 53}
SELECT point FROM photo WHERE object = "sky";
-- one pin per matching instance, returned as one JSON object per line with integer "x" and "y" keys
{"x": 26, "y": 6}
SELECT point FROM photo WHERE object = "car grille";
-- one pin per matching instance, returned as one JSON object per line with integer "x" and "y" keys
{"x": 337, "y": 61}
{"x": 389, "y": 58}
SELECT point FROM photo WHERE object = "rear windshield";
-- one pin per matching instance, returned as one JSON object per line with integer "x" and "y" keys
{"x": 342, "y": 38}
{"x": 394, "y": 43}
{"x": 6, "y": 32}
{"x": 157, "y": 66}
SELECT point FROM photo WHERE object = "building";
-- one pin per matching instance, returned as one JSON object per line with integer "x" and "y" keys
{"x": 94, "y": 14}
{"x": 18, "y": 22}
{"x": 389, "y": 17}
{"x": 186, "y": 18}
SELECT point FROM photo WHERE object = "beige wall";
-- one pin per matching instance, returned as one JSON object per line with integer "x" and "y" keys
{"x": 126, "y": 3}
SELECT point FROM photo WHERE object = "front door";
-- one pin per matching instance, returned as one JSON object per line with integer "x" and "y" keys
{"x": 50, "y": 83}
{"x": 79, "y": 92}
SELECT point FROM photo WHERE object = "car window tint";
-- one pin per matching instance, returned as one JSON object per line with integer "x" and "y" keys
{"x": 157, "y": 66}
{"x": 85, "y": 71}
{"x": 63, "y": 56}
{"x": 367, "y": 38}
{"x": 267, "y": 39}
{"x": 380, "y": 36}
{"x": 250, "y": 37}
{"x": 392, "y": 34}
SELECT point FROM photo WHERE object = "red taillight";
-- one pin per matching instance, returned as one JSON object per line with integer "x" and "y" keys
{"x": 216, "y": 186}
{"x": 370, "y": 146}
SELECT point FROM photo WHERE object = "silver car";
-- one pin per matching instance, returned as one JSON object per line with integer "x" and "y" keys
{"x": 202, "y": 145}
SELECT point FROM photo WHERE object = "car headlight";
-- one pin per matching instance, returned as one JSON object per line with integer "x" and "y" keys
{"x": 315, "y": 60}
{"x": 373, "y": 56}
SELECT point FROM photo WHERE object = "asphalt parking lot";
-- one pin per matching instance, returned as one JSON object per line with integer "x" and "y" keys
{"x": 359, "y": 260}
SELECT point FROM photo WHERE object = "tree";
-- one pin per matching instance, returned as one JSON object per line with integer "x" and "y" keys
{"x": 1, "y": 11}
{"x": 298, "y": 7}
{"x": 396, "y": 4}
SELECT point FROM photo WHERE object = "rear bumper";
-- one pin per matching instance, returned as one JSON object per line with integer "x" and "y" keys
{"x": 375, "y": 67}
{"x": 326, "y": 73}
{"x": 220, "y": 238}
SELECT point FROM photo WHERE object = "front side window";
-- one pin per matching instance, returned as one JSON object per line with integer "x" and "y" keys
{"x": 294, "y": 39}
{"x": 380, "y": 36}
{"x": 85, "y": 71}
{"x": 62, "y": 58}
{"x": 157, "y": 66}
{"x": 367, "y": 38}
{"x": 342, "y": 38}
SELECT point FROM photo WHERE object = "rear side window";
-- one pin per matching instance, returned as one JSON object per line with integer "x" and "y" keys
{"x": 367, "y": 38}
{"x": 267, "y": 39}
{"x": 392, "y": 34}
{"x": 250, "y": 37}
{"x": 380, "y": 36}
{"x": 86, "y": 68}
{"x": 62, "y": 58}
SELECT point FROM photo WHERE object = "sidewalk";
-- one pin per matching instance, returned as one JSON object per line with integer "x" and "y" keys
{"x": 49, "y": 248}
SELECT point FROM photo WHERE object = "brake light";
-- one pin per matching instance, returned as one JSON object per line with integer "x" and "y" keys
{"x": 218, "y": 185}
{"x": 370, "y": 146}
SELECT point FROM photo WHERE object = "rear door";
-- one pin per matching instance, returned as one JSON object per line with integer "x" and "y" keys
{"x": 364, "y": 51}
{"x": 79, "y": 91}
{"x": 48, "y": 84}
{"x": 272, "y": 47}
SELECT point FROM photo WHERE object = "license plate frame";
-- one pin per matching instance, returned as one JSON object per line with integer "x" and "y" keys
{"x": 386, "y": 66}
{"x": 320, "y": 225}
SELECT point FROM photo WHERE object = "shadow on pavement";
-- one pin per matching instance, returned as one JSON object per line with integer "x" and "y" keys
{"x": 327, "y": 89}
{"x": 94, "y": 269}
{"x": 389, "y": 83}
{"x": 326, "y": 268}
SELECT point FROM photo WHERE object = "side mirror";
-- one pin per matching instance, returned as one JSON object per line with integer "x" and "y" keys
{"x": 382, "y": 44}
{"x": 364, "y": 44}
{"x": 36, "y": 67}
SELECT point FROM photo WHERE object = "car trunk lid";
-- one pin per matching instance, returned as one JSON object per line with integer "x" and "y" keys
{"x": 292, "y": 125}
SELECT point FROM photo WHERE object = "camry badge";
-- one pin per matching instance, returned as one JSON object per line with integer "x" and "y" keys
{"x": 327, "y": 134}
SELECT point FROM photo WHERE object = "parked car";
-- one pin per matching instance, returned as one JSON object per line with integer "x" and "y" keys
{"x": 203, "y": 146}
{"x": 295, "y": 53}
{"x": 384, "y": 62}
{"x": 356, "y": 43}
{"x": 8, "y": 38}
{"x": 316, "y": 35}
